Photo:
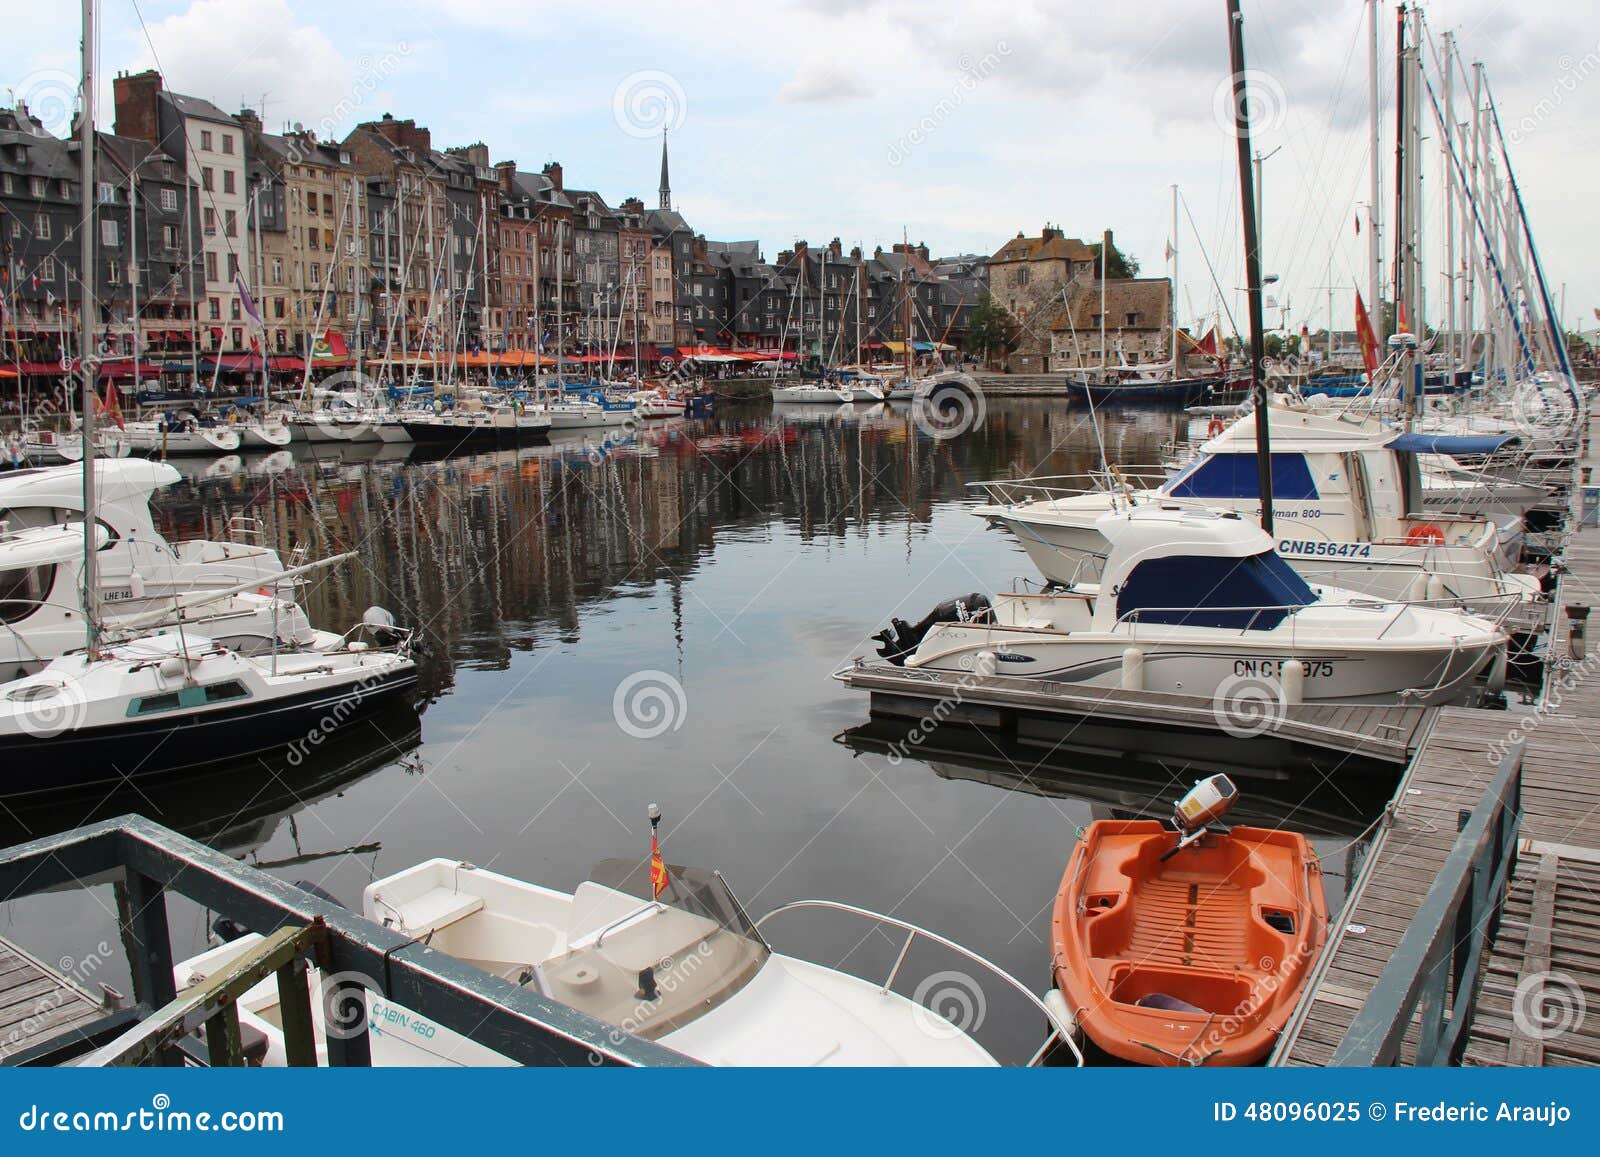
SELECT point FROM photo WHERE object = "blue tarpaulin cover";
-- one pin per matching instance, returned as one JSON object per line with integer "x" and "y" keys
{"x": 1450, "y": 443}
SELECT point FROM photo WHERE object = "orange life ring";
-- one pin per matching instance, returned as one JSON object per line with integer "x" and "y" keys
{"x": 1428, "y": 534}
{"x": 1215, "y": 427}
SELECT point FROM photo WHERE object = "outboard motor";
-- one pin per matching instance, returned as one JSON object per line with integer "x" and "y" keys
{"x": 1207, "y": 802}
{"x": 382, "y": 626}
{"x": 228, "y": 931}
{"x": 901, "y": 638}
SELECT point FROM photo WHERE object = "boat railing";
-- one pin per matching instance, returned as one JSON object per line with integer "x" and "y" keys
{"x": 1127, "y": 481}
{"x": 1395, "y": 609}
{"x": 1058, "y": 1030}
{"x": 243, "y": 528}
{"x": 1437, "y": 967}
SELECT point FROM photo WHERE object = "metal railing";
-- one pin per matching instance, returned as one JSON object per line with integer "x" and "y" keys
{"x": 1058, "y": 1030}
{"x": 1434, "y": 974}
{"x": 1129, "y": 481}
{"x": 353, "y": 952}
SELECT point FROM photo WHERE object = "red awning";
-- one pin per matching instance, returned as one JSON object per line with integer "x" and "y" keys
{"x": 216, "y": 332}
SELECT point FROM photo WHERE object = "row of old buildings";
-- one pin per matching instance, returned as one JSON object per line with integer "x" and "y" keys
{"x": 217, "y": 236}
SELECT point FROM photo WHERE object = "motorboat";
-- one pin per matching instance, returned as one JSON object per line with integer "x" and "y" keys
{"x": 43, "y": 447}
{"x": 812, "y": 392}
{"x": 175, "y": 701}
{"x": 679, "y": 963}
{"x": 1197, "y": 602}
{"x": 42, "y": 611}
{"x": 656, "y": 404}
{"x": 138, "y": 568}
{"x": 265, "y": 433}
{"x": 1346, "y": 498}
{"x": 1180, "y": 945}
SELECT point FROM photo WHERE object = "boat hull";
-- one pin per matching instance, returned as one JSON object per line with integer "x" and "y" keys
{"x": 138, "y": 749}
{"x": 1240, "y": 675}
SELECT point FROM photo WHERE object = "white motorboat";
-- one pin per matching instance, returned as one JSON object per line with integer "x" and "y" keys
{"x": 656, "y": 404}
{"x": 42, "y": 612}
{"x": 685, "y": 967}
{"x": 1196, "y": 602}
{"x": 264, "y": 433}
{"x": 811, "y": 392}
{"x": 175, "y": 701}
{"x": 1343, "y": 489}
{"x": 139, "y": 569}
{"x": 339, "y": 424}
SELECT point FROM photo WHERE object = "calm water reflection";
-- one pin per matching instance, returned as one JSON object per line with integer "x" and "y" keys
{"x": 744, "y": 558}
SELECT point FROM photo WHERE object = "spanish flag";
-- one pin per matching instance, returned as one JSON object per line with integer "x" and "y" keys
{"x": 658, "y": 868}
{"x": 1368, "y": 339}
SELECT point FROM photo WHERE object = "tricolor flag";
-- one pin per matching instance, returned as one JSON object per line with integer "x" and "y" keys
{"x": 658, "y": 867}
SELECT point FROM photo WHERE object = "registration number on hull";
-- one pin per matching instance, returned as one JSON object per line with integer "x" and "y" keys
{"x": 1325, "y": 549}
{"x": 1273, "y": 668}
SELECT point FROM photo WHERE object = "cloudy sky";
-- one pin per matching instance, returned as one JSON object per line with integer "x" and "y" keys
{"x": 959, "y": 121}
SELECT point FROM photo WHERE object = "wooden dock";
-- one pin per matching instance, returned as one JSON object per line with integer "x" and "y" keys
{"x": 1539, "y": 1001}
{"x": 37, "y": 1002}
{"x": 1048, "y": 711}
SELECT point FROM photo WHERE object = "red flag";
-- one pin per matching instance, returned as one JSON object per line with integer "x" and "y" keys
{"x": 114, "y": 405}
{"x": 1368, "y": 339}
{"x": 658, "y": 868}
{"x": 1404, "y": 323}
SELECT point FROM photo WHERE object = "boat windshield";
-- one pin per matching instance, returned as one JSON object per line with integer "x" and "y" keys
{"x": 649, "y": 966}
{"x": 1192, "y": 590}
{"x": 1238, "y": 476}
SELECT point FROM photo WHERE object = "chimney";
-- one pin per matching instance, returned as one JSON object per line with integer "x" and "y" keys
{"x": 1050, "y": 233}
{"x": 506, "y": 172}
{"x": 138, "y": 103}
{"x": 404, "y": 133}
{"x": 476, "y": 154}
{"x": 855, "y": 253}
{"x": 835, "y": 249}
{"x": 552, "y": 169}
{"x": 922, "y": 250}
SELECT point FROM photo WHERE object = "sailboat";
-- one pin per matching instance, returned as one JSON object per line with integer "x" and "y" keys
{"x": 175, "y": 699}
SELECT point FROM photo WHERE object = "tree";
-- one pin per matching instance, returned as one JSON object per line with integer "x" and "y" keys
{"x": 1273, "y": 345}
{"x": 1120, "y": 266}
{"x": 990, "y": 329}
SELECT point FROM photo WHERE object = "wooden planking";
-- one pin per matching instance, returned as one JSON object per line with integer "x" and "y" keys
{"x": 37, "y": 1002}
{"x": 1550, "y": 923}
{"x": 1384, "y": 733}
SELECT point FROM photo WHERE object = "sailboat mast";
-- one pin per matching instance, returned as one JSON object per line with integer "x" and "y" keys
{"x": 1252, "y": 263}
{"x": 1374, "y": 176}
{"x": 87, "y": 365}
{"x": 1172, "y": 309}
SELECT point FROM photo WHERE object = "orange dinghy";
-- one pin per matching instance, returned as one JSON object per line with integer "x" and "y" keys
{"x": 1187, "y": 947}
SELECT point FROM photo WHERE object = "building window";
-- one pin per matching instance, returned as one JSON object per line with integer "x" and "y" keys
{"x": 47, "y": 269}
{"x": 41, "y": 227}
{"x": 108, "y": 234}
{"x": 216, "y": 306}
{"x": 211, "y": 267}
{"x": 108, "y": 193}
{"x": 205, "y": 141}
{"x": 227, "y": 143}
{"x": 206, "y": 181}
{"x": 36, "y": 186}
{"x": 169, "y": 200}
{"x": 277, "y": 274}
{"x": 233, "y": 266}
{"x": 238, "y": 338}
{"x": 233, "y": 313}
{"x": 227, "y": 178}
{"x": 169, "y": 236}
{"x": 209, "y": 220}
{"x": 230, "y": 220}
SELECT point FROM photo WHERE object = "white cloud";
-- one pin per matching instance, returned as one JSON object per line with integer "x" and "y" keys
{"x": 823, "y": 82}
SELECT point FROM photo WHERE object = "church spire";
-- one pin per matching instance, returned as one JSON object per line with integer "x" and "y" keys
{"x": 666, "y": 185}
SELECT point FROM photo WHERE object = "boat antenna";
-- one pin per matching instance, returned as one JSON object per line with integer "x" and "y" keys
{"x": 1252, "y": 261}
{"x": 87, "y": 364}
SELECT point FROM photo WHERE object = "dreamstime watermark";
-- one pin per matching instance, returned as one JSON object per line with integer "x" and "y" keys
{"x": 50, "y": 707}
{"x": 1262, "y": 99}
{"x": 970, "y": 74}
{"x": 648, "y": 704}
{"x": 51, "y": 96}
{"x": 1556, "y": 688}
{"x": 159, "y": 1117}
{"x": 80, "y": 970}
{"x": 949, "y": 1004}
{"x": 1544, "y": 409}
{"x": 649, "y": 102}
{"x": 669, "y": 975}
{"x": 1570, "y": 75}
{"x": 1246, "y": 706}
{"x": 1547, "y": 1005}
{"x": 344, "y": 1003}
{"x": 951, "y": 405}
{"x": 922, "y": 730}
{"x": 370, "y": 73}
{"x": 335, "y": 717}
{"x": 1276, "y": 975}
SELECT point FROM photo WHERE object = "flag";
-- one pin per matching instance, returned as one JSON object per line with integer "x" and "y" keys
{"x": 114, "y": 404}
{"x": 247, "y": 303}
{"x": 1404, "y": 326}
{"x": 1358, "y": 224}
{"x": 330, "y": 345}
{"x": 658, "y": 868}
{"x": 1170, "y": 250}
{"x": 1364, "y": 335}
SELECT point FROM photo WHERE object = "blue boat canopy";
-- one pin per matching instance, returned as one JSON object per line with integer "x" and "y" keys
{"x": 1450, "y": 443}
